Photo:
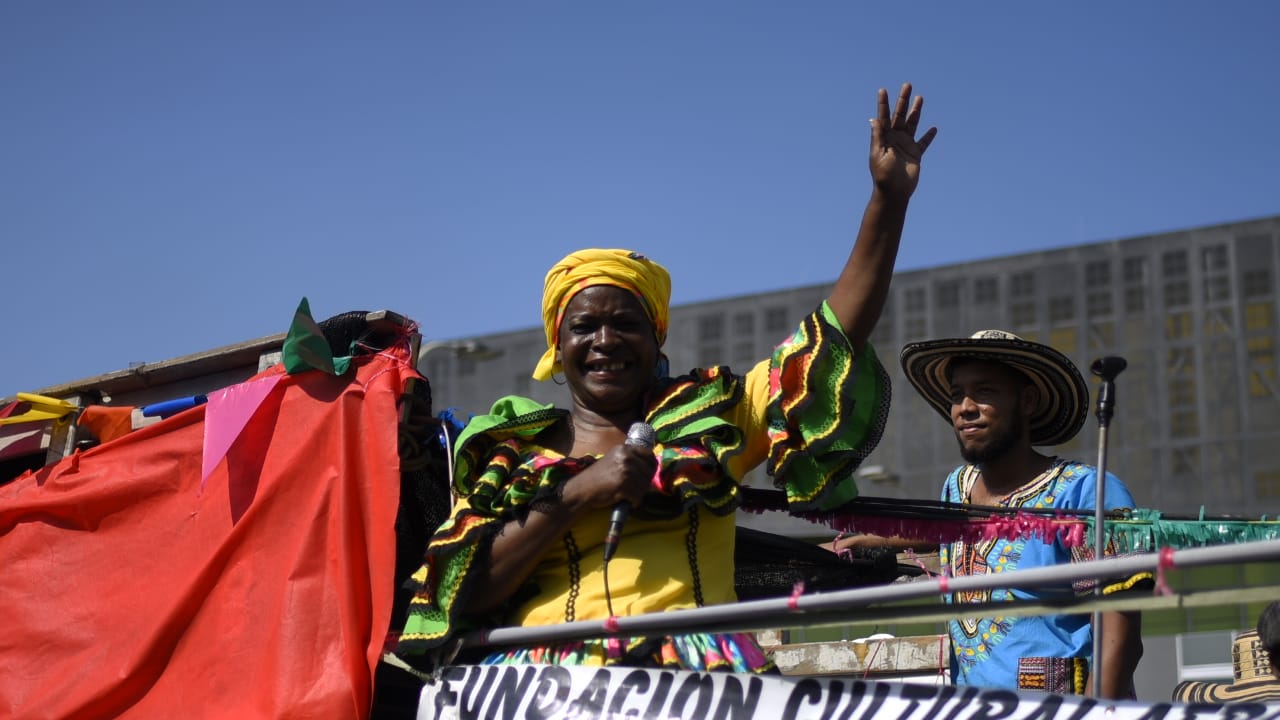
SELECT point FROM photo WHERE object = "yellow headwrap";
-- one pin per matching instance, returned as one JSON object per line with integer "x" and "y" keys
{"x": 628, "y": 270}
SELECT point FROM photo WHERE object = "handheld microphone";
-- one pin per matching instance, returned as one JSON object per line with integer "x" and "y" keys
{"x": 639, "y": 435}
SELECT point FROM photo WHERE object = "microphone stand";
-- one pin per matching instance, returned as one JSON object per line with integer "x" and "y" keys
{"x": 1106, "y": 368}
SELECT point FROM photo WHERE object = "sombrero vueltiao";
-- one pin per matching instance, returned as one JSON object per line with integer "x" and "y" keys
{"x": 1064, "y": 397}
{"x": 1253, "y": 682}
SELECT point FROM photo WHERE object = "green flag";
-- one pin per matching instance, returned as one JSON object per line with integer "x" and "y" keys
{"x": 305, "y": 347}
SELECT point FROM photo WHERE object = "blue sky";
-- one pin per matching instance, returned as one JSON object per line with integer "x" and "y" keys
{"x": 176, "y": 176}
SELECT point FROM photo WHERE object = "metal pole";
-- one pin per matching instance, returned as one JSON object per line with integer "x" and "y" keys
{"x": 771, "y": 613}
{"x": 1106, "y": 368}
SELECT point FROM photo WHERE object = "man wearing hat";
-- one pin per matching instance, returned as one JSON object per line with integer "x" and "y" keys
{"x": 1003, "y": 396}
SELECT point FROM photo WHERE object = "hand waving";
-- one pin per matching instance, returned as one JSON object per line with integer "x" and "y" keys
{"x": 895, "y": 151}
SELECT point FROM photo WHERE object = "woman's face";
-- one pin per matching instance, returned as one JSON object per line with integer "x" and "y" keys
{"x": 607, "y": 349}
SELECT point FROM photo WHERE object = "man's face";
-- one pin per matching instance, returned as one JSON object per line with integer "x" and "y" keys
{"x": 990, "y": 406}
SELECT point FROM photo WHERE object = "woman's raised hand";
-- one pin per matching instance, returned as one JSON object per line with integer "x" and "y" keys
{"x": 859, "y": 293}
{"x": 895, "y": 151}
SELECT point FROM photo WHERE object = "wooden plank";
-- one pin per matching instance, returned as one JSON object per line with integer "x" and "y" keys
{"x": 915, "y": 655}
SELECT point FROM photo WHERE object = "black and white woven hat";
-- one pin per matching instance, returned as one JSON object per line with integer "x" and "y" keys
{"x": 1064, "y": 397}
{"x": 1253, "y": 683}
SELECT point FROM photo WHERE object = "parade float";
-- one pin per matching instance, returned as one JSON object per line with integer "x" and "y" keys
{"x": 228, "y": 535}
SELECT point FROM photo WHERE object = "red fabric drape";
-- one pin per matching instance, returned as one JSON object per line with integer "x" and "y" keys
{"x": 130, "y": 590}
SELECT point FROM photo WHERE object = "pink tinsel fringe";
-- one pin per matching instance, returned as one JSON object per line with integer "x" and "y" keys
{"x": 1069, "y": 531}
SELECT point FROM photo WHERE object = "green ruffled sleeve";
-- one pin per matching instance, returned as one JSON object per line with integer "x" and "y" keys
{"x": 825, "y": 412}
{"x": 490, "y": 490}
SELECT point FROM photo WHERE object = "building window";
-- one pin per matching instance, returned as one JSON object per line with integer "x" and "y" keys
{"x": 1177, "y": 294}
{"x": 1267, "y": 483}
{"x": 1261, "y": 350}
{"x": 1262, "y": 369}
{"x": 1257, "y": 282}
{"x": 984, "y": 291}
{"x": 1182, "y": 391}
{"x": 1102, "y": 336}
{"x": 1135, "y": 300}
{"x": 744, "y": 354}
{"x": 1216, "y": 288}
{"x": 775, "y": 320}
{"x": 1184, "y": 424}
{"x": 1099, "y": 303}
{"x": 1063, "y": 339}
{"x": 1257, "y": 316}
{"x": 1180, "y": 360}
{"x": 1186, "y": 460}
{"x": 1177, "y": 326}
{"x": 711, "y": 327}
{"x": 1135, "y": 270}
{"x": 948, "y": 295}
{"x": 1218, "y": 322}
{"x": 744, "y": 324}
{"x": 1062, "y": 309}
{"x": 914, "y": 300}
{"x": 1097, "y": 274}
{"x": 1174, "y": 264}
{"x": 1261, "y": 380}
{"x": 1023, "y": 314}
{"x": 1022, "y": 284}
{"x": 1214, "y": 258}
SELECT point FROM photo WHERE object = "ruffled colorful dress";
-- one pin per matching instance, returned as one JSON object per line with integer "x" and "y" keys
{"x": 812, "y": 411}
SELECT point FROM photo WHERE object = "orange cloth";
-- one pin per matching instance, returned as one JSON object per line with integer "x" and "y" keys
{"x": 107, "y": 423}
{"x": 132, "y": 591}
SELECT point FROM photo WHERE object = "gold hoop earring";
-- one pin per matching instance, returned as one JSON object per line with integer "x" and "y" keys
{"x": 558, "y": 381}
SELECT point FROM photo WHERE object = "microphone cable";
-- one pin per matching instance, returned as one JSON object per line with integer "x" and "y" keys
{"x": 641, "y": 435}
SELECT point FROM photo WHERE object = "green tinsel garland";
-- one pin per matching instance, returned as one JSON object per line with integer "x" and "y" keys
{"x": 1146, "y": 530}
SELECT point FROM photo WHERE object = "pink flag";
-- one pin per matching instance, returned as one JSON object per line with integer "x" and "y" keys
{"x": 226, "y": 414}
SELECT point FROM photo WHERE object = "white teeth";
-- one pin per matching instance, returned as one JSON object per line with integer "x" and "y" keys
{"x": 608, "y": 367}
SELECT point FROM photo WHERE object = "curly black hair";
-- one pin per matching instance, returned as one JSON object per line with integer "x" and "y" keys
{"x": 1269, "y": 634}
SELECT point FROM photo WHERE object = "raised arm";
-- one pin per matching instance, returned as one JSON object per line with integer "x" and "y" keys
{"x": 860, "y": 291}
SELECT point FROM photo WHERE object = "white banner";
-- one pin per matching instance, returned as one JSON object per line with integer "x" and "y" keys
{"x": 508, "y": 692}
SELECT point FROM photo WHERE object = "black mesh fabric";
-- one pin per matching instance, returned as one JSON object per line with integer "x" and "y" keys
{"x": 770, "y": 565}
{"x": 424, "y": 504}
{"x": 348, "y": 329}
